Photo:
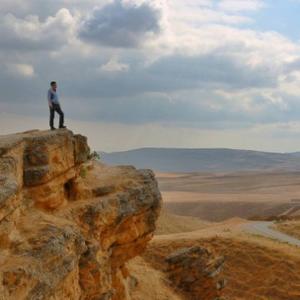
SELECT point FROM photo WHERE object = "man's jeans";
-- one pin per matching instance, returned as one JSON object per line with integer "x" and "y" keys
{"x": 53, "y": 109}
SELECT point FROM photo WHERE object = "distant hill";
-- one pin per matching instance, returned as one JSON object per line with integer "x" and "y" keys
{"x": 203, "y": 160}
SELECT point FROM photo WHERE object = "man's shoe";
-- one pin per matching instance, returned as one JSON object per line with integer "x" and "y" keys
{"x": 62, "y": 127}
{"x": 53, "y": 128}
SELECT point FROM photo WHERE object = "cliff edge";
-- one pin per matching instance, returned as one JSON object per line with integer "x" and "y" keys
{"x": 69, "y": 224}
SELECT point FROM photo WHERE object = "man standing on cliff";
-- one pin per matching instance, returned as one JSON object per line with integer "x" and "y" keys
{"x": 54, "y": 106}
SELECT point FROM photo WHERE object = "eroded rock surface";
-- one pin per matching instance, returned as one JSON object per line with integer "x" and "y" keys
{"x": 69, "y": 225}
{"x": 196, "y": 270}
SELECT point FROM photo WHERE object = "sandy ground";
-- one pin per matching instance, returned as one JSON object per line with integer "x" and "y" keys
{"x": 169, "y": 175}
{"x": 217, "y": 197}
{"x": 169, "y": 223}
{"x": 254, "y": 270}
{"x": 258, "y": 186}
{"x": 235, "y": 228}
{"x": 257, "y": 267}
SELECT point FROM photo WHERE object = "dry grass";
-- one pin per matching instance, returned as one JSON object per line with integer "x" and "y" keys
{"x": 152, "y": 283}
{"x": 256, "y": 268}
{"x": 290, "y": 227}
{"x": 253, "y": 270}
{"x": 170, "y": 223}
{"x": 217, "y": 197}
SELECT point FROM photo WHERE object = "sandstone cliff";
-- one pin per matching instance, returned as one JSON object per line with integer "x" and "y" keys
{"x": 68, "y": 225}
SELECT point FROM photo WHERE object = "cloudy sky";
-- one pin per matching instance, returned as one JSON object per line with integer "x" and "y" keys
{"x": 168, "y": 73}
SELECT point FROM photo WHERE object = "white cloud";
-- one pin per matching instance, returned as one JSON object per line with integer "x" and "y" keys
{"x": 23, "y": 70}
{"x": 30, "y": 33}
{"x": 241, "y": 5}
{"x": 195, "y": 52}
{"x": 113, "y": 65}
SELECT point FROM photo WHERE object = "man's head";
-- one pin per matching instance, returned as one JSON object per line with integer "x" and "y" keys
{"x": 53, "y": 84}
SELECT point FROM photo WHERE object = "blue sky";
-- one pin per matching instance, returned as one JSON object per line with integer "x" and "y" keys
{"x": 137, "y": 73}
{"x": 280, "y": 16}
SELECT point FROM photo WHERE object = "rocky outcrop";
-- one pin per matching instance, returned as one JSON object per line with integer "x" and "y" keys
{"x": 68, "y": 224}
{"x": 196, "y": 271}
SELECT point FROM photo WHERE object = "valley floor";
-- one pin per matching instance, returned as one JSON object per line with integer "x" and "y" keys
{"x": 219, "y": 196}
{"x": 262, "y": 261}
{"x": 256, "y": 267}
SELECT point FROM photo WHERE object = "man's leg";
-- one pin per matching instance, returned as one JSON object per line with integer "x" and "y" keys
{"x": 61, "y": 115}
{"x": 51, "y": 122}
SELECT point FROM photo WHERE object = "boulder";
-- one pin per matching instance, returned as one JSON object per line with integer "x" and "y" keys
{"x": 196, "y": 270}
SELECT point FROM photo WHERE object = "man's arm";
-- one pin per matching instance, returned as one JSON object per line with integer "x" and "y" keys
{"x": 49, "y": 99}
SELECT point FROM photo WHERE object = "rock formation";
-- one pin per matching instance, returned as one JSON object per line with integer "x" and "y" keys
{"x": 196, "y": 271}
{"x": 68, "y": 224}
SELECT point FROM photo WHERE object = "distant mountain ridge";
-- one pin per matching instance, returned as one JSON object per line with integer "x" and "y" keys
{"x": 204, "y": 160}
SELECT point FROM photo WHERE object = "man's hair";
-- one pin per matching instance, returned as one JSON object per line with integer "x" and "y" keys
{"x": 52, "y": 83}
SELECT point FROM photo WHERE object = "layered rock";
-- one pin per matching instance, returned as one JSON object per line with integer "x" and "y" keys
{"x": 68, "y": 225}
{"x": 196, "y": 270}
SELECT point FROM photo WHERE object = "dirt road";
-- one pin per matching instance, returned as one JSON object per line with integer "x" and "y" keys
{"x": 265, "y": 229}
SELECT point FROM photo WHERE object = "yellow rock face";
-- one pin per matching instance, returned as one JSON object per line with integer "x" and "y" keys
{"x": 68, "y": 225}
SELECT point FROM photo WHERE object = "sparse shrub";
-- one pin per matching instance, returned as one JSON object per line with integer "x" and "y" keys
{"x": 83, "y": 172}
{"x": 94, "y": 156}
